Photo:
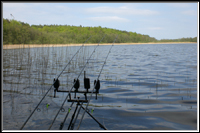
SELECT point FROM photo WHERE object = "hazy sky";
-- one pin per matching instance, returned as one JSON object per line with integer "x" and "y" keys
{"x": 159, "y": 20}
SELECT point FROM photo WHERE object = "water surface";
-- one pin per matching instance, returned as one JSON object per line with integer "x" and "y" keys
{"x": 143, "y": 87}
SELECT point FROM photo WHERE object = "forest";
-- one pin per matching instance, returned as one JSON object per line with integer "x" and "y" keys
{"x": 16, "y": 32}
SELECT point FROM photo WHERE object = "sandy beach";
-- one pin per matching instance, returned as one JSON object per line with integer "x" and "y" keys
{"x": 15, "y": 46}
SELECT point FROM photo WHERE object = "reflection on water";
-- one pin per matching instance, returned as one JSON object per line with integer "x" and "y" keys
{"x": 142, "y": 86}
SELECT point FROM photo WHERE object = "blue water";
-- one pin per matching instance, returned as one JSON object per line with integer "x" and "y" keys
{"x": 143, "y": 87}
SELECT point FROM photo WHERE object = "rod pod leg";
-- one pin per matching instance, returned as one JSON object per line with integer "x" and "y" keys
{"x": 85, "y": 94}
{"x": 96, "y": 96}
{"x": 95, "y": 119}
{"x": 54, "y": 93}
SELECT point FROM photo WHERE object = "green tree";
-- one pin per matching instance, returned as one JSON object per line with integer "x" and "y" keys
{"x": 16, "y": 32}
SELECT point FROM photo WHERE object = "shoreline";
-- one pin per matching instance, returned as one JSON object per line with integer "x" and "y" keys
{"x": 16, "y": 46}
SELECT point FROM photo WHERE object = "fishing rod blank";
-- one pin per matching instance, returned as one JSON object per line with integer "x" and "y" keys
{"x": 51, "y": 86}
{"x": 69, "y": 93}
{"x": 95, "y": 85}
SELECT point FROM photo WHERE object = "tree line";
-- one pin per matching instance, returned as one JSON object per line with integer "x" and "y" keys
{"x": 16, "y": 32}
{"x": 189, "y": 39}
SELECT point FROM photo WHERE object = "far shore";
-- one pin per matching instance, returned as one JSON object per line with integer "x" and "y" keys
{"x": 15, "y": 46}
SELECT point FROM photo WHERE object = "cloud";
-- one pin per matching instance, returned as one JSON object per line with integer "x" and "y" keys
{"x": 109, "y": 19}
{"x": 189, "y": 12}
{"x": 121, "y": 11}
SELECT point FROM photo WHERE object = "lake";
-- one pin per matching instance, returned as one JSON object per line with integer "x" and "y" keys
{"x": 143, "y": 87}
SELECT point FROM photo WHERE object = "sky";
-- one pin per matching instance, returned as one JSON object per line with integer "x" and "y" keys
{"x": 158, "y": 20}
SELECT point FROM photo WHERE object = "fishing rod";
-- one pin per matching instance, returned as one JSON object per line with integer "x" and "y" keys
{"x": 51, "y": 86}
{"x": 69, "y": 93}
{"x": 95, "y": 85}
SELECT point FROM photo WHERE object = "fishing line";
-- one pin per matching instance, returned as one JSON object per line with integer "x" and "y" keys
{"x": 73, "y": 57}
{"x": 53, "y": 103}
{"x": 95, "y": 84}
{"x": 51, "y": 86}
{"x": 69, "y": 93}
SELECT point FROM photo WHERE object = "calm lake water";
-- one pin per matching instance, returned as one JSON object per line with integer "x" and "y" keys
{"x": 143, "y": 87}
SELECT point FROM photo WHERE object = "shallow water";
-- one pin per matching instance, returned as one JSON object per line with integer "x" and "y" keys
{"x": 143, "y": 87}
